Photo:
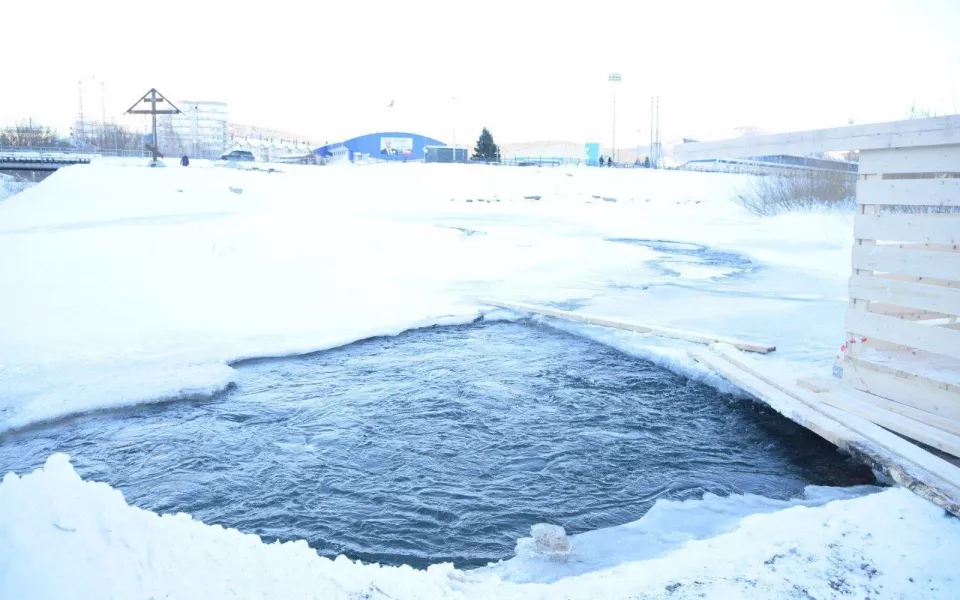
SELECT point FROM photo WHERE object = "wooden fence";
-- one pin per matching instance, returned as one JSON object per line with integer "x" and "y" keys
{"x": 903, "y": 340}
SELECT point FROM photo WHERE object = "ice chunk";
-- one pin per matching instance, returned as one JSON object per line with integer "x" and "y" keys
{"x": 546, "y": 541}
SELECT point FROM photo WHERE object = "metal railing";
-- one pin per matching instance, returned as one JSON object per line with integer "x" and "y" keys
{"x": 70, "y": 150}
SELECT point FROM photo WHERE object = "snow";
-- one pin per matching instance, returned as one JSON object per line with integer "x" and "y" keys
{"x": 123, "y": 284}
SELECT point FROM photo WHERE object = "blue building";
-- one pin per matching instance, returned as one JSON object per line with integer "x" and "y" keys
{"x": 388, "y": 145}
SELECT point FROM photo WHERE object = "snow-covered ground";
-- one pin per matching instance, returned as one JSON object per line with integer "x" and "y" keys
{"x": 121, "y": 285}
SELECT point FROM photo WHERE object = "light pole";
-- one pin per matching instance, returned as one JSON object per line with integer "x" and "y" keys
{"x": 453, "y": 122}
{"x": 614, "y": 77}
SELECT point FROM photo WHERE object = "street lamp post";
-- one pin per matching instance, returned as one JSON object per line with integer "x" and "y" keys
{"x": 614, "y": 77}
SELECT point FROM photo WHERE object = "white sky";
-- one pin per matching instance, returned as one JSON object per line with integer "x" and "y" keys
{"x": 529, "y": 70}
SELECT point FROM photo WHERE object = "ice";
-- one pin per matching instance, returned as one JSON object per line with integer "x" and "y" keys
{"x": 122, "y": 284}
{"x": 546, "y": 542}
{"x": 667, "y": 526}
{"x": 10, "y": 186}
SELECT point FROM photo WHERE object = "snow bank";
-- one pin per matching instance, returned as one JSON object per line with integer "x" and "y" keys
{"x": 61, "y": 537}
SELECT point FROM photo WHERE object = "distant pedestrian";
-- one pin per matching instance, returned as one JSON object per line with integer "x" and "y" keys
{"x": 609, "y": 162}
{"x": 185, "y": 162}
{"x": 600, "y": 164}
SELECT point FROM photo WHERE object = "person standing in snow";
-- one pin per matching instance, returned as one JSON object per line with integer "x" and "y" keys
{"x": 600, "y": 164}
{"x": 609, "y": 162}
{"x": 185, "y": 162}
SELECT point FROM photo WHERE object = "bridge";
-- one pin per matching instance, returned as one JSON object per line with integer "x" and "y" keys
{"x": 40, "y": 161}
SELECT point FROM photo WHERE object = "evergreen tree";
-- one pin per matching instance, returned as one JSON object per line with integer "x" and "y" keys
{"x": 486, "y": 150}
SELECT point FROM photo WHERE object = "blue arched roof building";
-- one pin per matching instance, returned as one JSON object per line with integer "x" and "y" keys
{"x": 388, "y": 145}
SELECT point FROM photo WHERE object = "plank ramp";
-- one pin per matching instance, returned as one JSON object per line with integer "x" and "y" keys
{"x": 679, "y": 334}
{"x": 906, "y": 463}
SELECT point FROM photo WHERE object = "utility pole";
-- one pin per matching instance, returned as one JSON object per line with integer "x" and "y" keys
{"x": 453, "y": 107}
{"x": 655, "y": 132}
{"x": 103, "y": 118}
{"x": 657, "y": 135}
{"x": 153, "y": 97}
{"x": 614, "y": 78}
{"x": 82, "y": 136}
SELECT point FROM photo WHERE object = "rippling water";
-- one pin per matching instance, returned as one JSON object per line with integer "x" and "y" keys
{"x": 441, "y": 444}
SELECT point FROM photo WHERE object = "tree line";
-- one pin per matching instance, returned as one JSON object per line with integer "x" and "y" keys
{"x": 101, "y": 136}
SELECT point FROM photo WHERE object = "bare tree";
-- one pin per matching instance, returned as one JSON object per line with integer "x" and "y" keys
{"x": 110, "y": 136}
{"x": 28, "y": 133}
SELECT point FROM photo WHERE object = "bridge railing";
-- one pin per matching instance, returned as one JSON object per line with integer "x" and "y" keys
{"x": 60, "y": 151}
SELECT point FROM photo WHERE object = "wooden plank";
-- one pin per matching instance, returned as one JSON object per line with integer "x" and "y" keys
{"x": 905, "y": 333}
{"x": 836, "y": 388}
{"x": 941, "y": 371}
{"x": 929, "y": 247}
{"x": 915, "y": 430}
{"x": 919, "y": 159}
{"x": 904, "y": 312}
{"x": 923, "y": 280}
{"x": 912, "y": 467}
{"x": 816, "y": 385}
{"x": 933, "y": 131}
{"x": 909, "y": 192}
{"x": 690, "y": 336}
{"x": 933, "y": 391}
{"x": 925, "y": 228}
{"x": 919, "y": 263}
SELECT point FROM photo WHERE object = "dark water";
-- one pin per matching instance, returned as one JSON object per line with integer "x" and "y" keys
{"x": 442, "y": 444}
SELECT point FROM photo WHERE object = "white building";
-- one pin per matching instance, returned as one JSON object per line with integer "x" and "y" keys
{"x": 200, "y": 130}
{"x": 272, "y": 149}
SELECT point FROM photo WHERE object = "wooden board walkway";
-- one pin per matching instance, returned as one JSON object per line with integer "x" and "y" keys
{"x": 678, "y": 334}
{"x": 906, "y": 463}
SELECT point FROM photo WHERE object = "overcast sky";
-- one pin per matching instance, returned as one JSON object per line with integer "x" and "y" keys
{"x": 529, "y": 70}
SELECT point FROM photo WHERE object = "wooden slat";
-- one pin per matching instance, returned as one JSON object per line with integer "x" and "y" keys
{"x": 921, "y": 394}
{"x": 909, "y": 192}
{"x": 930, "y": 247}
{"x": 923, "y": 473}
{"x": 919, "y": 263}
{"x": 915, "y": 430}
{"x": 923, "y": 280}
{"x": 690, "y": 336}
{"x": 820, "y": 385}
{"x": 935, "y": 370}
{"x": 926, "y": 229}
{"x": 933, "y": 298}
{"x": 904, "y": 312}
{"x": 918, "y": 159}
{"x": 906, "y": 333}
{"x": 912, "y": 132}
